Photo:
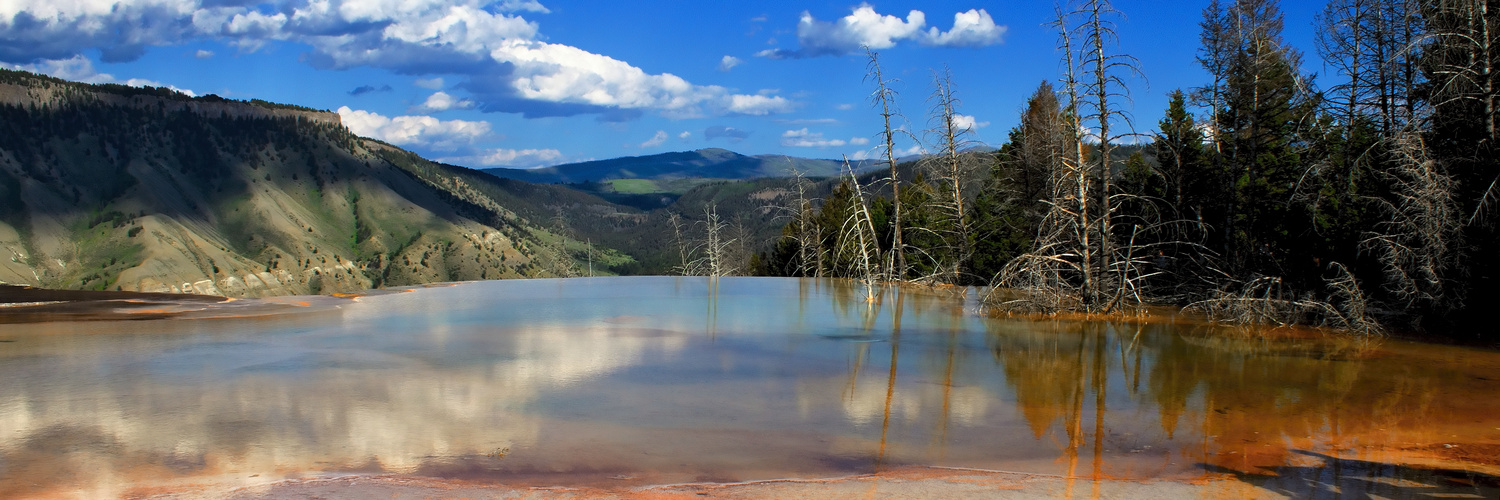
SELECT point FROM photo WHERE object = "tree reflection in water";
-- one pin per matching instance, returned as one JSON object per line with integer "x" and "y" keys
{"x": 684, "y": 379}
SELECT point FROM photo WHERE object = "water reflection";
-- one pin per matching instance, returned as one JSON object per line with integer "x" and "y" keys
{"x": 640, "y": 380}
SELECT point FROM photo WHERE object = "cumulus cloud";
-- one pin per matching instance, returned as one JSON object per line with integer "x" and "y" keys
{"x": 203, "y": 54}
{"x": 974, "y": 28}
{"x": 365, "y": 89}
{"x": 728, "y": 63}
{"x": 429, "y": 83}
{"x": 655, "y": 140}
{"x": 441, "y": 101}
{"x": 424, "y": 131}
{"x": 44, "y": 29}
{"x": 864, "y": 27}
{"x": 81, "y": 69}
{"x": 523, "y": 5}
{"x": 685, "y": 135}
{"x": 568, "y": 76}
{"x": 513, "y": 158}
{"x": 722, "y": 132}
{"x": 966, "y": 122}
{"x": 498, "y": 53}
{"x": 804, "y": 138}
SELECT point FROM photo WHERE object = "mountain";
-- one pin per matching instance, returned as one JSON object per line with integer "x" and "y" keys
{"x": 712, "y": 163}
{"x": 109, "y": 187}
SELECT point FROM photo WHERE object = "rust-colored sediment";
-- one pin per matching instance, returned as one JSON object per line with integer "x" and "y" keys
{"x": 904, "y": 482}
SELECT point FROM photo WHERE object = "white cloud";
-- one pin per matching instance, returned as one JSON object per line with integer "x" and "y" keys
{"x": 441, "y": 101}
{"x": 974, "y": 28}
{"x": 966, "y": 122}
{"x": 523, "y": 5}
{"x": 514, "y": 158}
{"x": 568, "y": 75}
{"x": 809, "y": 121}
{"x": 728, "y": 63}
{"x": 490, "y": 45}
{"x": 81, "y": 69}
{"x": 759, "y": 105}
{"x": 423, "y": 131}
{"x": 844, "y": 107}
{"x": 655, "y": 140}
{"x": 685, "y": 135}
{"x": 429, "y": 83}
{"x": 864, "y": 27}
{"x": 76, "y": 68}
{"x": 203, "y": 54}
{"x": 722, "y": 132}
{"x": 804, "y": 138}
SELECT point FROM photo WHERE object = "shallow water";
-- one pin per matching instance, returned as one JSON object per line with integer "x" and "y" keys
{"x": 618, "y": 382}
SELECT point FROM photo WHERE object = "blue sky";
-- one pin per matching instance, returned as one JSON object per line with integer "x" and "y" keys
{"x": 527, "y": 83}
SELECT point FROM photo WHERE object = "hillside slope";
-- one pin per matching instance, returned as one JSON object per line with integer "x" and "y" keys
{"x": 712, "y": 163}
{"x": 118, "y": 188}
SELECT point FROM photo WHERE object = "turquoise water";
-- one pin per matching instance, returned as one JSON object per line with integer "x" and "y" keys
{"x": 649, "y": 380}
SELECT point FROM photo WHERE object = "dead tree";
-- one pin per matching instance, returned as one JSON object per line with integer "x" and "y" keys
{"x": 954, "y": 170}
{"x": 883, "y": 97}
{"x": 858, "y": 239}
{"x": 1419, "y": 237}
{"x": 1267, "y": 301}
{"x": 807, "y": 234}
{"x": 1349, "y": 39}
{"x": 686, "y": 264}
{"x": 716, "y": 247}
{"x": 1462, "y": 58}
{"x": 1466, "y": 64}
{"x": 1074, "y": 264}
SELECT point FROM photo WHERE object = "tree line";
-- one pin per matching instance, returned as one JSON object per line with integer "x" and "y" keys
{"x": 1363, "y": 198}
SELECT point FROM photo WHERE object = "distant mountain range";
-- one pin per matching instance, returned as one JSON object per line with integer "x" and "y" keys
{"x": 712, "y": 163}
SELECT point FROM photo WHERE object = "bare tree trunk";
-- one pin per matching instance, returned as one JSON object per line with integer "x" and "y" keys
{"x": 715, "y": 247}
{"x": 682, "y": 248}
{"x": 883, "y": 96}
{"x": 1083, "y": 224}
{"x": 863, "y": 228}
{"x": 1096, "y": 35}
{"x": 954, "y": 169}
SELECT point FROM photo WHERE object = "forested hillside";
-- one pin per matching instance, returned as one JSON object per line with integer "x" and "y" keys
{"x": 1364, "y": 198}
{"x": 109, "y": 187}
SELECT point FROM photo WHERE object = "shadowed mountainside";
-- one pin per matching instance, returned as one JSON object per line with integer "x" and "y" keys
{"x": 108, "y": 187}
